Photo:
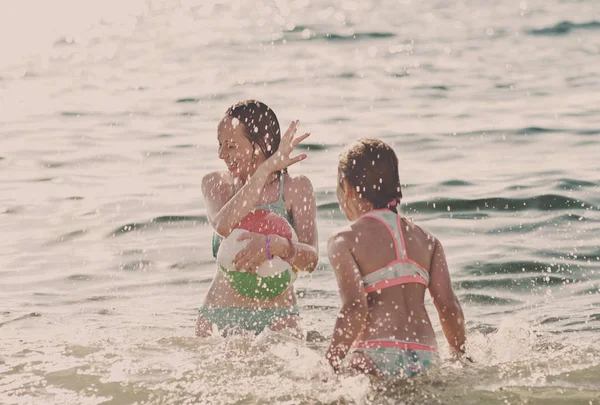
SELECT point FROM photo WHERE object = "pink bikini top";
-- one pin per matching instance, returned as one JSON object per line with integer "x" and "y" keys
{"x": 402, "y": 270}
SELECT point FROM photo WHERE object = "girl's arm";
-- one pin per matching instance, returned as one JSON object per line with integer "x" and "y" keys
{"x": 446, "y": 303}
{"x": 304, "y": 214}
{"x": 223, "y": 212}
{"x": 353, "y": 315}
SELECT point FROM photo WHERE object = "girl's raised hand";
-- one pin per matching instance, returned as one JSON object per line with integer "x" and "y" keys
{"x": 282, "y": 158}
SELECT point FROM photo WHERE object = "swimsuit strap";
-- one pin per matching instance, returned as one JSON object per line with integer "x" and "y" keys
{"x": 281, "y": 176}
{"x": 391, "y": 220}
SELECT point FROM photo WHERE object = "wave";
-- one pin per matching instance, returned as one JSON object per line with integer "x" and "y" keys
{"x": 564, "y": 27}
{"x": 52, "y": 165}
{"x": 99, "y": 298}
{"x": 345, "y": 75}
{"x": 81, "y": 277}
{"x": 328, "y": 36}
{"x": 136, "y": 265}
{"x": 455, "y": 183}
{"x": 476, "y": 208}
{"x": 470, "y": 215}
{"x": 574, "y": 184}
{"x": 594, "y": 290}
{"x": 398, "y": 74}
{"x": 300, "y": 28}
{"x": 354, "y": 37}
{"x": 75, "y": 114}
{"x": 336, "y": 120}
{"x": 30, "y": 315}
{"x": 65, "y": 41}
{"x": 330, "y": 211}
{"x": 69, "y": 236}
{"x": 513, "y": 131}
{"x": 158, "y": 153}
{"x": 79, "y": 163}
{"x": 544, "y": 202}
{"x": 521, "y": 267}
{"x": 525, "y": 282}
{"x": 312, "y": 146}
{"x": 188, "y": 100}
{"x": 186, "y": 265}
{"x": 537, "y": 130}
{"x": 553, "y": 319}
{"x": 185, "y": 281}
{"x": 439, "y": 87}
{"x": 533, "y": 130}
{"x": 11, "y": 210}
{"x": 589, "y": 132}
{"x": 523, "y": 228}
{"x": 160, "y": 221}
{"x": 484, "y": 299}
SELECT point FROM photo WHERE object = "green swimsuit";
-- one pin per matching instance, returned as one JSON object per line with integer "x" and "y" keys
{"x": 248, "y": 318}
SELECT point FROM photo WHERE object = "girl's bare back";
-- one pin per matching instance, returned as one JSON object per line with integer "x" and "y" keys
{"x": 396, "y": 312}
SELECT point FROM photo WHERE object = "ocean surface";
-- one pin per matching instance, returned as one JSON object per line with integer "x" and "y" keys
{"x": 108, "y": 116}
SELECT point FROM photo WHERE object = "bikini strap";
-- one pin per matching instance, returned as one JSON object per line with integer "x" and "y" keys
{"x": 281, "y": 176}
{"x": 393, "y": 226}
{"x": 280, "y": 186}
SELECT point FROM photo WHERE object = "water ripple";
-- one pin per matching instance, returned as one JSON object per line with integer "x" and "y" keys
{"x": 456, "y": 183}
{"x": 574, "y": 184}
{"x": 312, "y": 146}
{"x": 136, "y": 265}
{"x": 312, "y": 35}
{"x": 484, "y": 299}
{"x": 188, "y": 100}
{"x": 168, "y": 220}
{"x": 520, "y": 267}
{"x": 544, "y": 202}
{"x": 30, "y": 315}
{"x": 69, "y": 236}
{"x": 81, "y": 277}
{"x": 565, "y": 27}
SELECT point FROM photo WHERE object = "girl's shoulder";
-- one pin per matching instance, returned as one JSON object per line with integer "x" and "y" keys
{"x": 416, "y": 231}
{"x": 223, "y": 177}
{"x": 298, "y": 190}
{"x": 217, "y": 182}
{"x": 297, "y": 182}
{"x": 339, "y": 239}
{"x": 346, "y": 235}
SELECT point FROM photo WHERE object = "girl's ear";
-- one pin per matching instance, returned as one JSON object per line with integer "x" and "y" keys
{"x": 347, "y": 188}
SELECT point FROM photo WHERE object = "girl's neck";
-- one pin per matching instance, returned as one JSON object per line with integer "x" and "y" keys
{"x": 362, "y": 208}
{"x": 367, "y": 208}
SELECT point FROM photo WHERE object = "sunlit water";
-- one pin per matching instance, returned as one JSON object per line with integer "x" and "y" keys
{"x": 108, "y": 122}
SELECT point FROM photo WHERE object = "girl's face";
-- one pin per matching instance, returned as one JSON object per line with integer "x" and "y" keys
{"x": 236, "y": 150}
{"x": 345, "y": 196}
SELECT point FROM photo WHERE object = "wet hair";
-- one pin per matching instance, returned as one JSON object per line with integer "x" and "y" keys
{"x": 260, "y": 124}
{"x": 371, "y": 167}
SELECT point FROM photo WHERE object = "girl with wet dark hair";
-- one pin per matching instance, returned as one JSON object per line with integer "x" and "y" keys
{"x": 384, "y": 263}
{"x": 257, "y": 158}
